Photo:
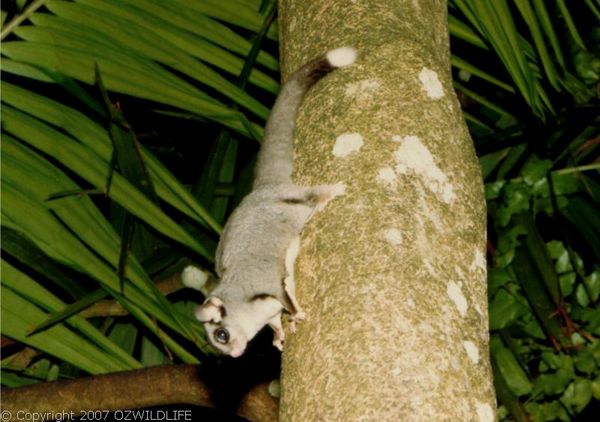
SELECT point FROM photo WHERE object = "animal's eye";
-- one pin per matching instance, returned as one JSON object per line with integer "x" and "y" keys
{"x": 221, "y": 335}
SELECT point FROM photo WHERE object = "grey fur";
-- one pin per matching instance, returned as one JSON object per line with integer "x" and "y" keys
{"x": 251, "y": 255}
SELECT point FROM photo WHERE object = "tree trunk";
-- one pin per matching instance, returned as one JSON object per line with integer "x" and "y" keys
{"x": 393, "y": 274}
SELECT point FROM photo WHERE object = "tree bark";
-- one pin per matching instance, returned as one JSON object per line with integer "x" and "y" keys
{"x": 393, "y": 274}
{"x": 154, "y": 386}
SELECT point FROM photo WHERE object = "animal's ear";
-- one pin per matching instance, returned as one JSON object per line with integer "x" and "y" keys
{"x": 212, "y": 310}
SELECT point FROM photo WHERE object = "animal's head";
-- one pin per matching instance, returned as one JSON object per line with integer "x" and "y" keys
{"x": 229, "y": 327}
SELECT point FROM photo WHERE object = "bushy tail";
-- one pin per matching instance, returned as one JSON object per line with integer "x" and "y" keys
{"x": 275, "y": 159}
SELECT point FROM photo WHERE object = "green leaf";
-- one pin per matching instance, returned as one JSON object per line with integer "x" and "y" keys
{"x": 71, "y": 310}
{"x": 125, "y": 335}
{"x": 535, "y": 169}
{"x": 495, "y": 23}
{"x": 583, "y": 216}
{"x": 585, "y": 361}
{"x": 151, "y": 355}
{"x": 578, "y": 394}
{"x": 546, "y": 23}
{"x": 592, "y": 319}
{"x": 513, "y": 157}
{"x": 549, "y": 411}
{"x": 536, "y": 249}
{"x": 82, "y": 161}
{"x": 567, "y": 282}
{"x": 19, "y": 316}
{"x": 493, "y": 189}
{"x": 596, "y": 388}
{"x": 124, "y": 73}
{"x": 566, "y": 15}
{"x": 17, "y": 20}
{"x": 594, "y": 8}
{"x": 535, "y": 292}
{"x": 462, "y": 64}
{"x": 516, "y": 200}
{"x": 128, "y": 156}
{"x": 188, "y": 19}
{"x": 507, "y": 397}
{"x": 513, "y": 374}
{"x": 592, "y": 283}
{"x": 38, "y": 295}
{"x": 560, "y": 255}
{"x": 97, "y": 140}
{"x": 498, "y": 277}
{"x": 502, "y": 34}
{"x": 135, "y": 31}
{"x": 12, "y": 380}
{"x": 26, "y": 70}
{"x": 553, "y": 383}
{"x": 505, "y": 310}
{"x": 507, "y": 244}
{"x": 581, "y": 296}
{"x": 485, "y": 102}
{"x": 462, "y": 31}
{"x": 19, "y": 246}
{"x": 533, "y": 329}
{"x": 220, "y": 168}
{"x": 538, "y": 38}
{"x": 61, "y": 244}
{"x": 558, "y": 361}
{"x": 235, "y": 13}
{"x": 211, "y": 47}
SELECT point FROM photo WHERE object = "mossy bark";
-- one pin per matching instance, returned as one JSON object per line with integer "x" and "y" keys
{"x": 392, "y": 274}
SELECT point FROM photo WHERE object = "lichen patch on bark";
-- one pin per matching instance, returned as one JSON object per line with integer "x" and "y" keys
{"x": 393, "y": 236}
{"x": 347, "y": 143}
{"x": 431, "y": 83}
{"x": 456, "y": 295}
{"x": 386, "y": 176}
{"x": 485, "y": 413}
{"x": 472, "y": 351}
{"x": 479, "y": 262}
{"x": 364, "y": 89}
{"x": 414, "y": 157}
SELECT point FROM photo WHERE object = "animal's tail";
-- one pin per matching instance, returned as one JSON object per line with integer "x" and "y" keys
{"x": 275, "y": 159}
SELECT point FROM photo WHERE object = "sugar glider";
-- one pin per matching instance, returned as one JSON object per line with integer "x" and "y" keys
{"x": 260, "y": 242}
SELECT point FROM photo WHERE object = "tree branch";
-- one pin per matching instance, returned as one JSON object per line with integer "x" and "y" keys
{"x": 110, "y": 307}
{"x": 155, "y": 386}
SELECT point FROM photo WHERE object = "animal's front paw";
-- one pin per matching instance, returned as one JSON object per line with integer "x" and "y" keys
{"x": 338, "y": 189}
{"x": 327, "y": 192}
{"x": 278, "y": 342}
{"x": 279, "y": 338}
{"x": 296, "y": 318}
